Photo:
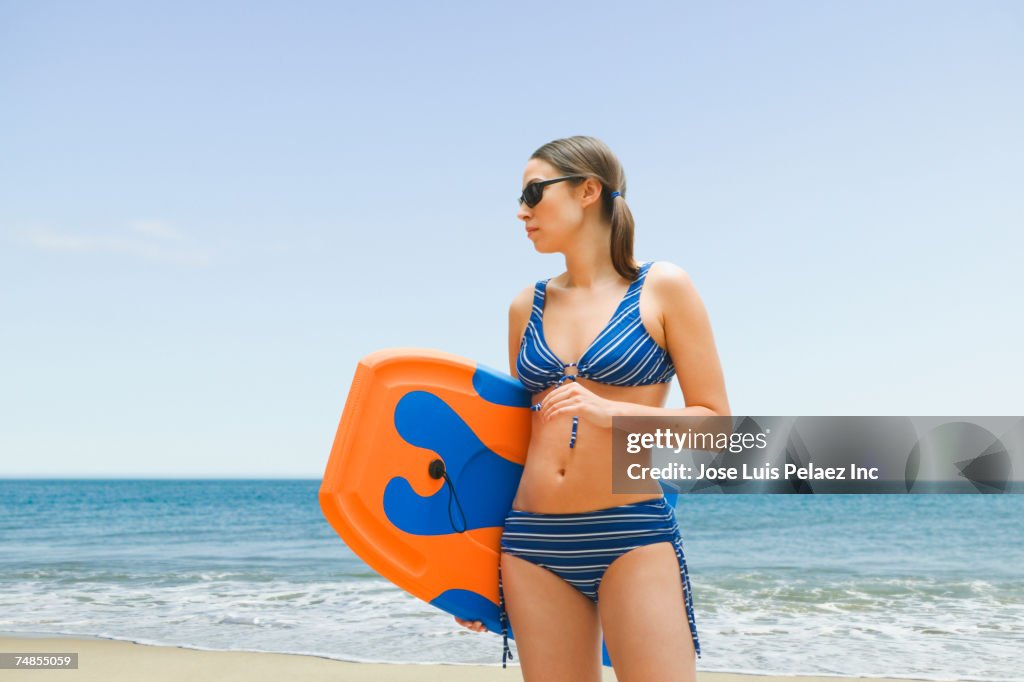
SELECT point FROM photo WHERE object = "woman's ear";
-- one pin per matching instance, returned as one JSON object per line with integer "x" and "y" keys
{"x": 589, "y": 191}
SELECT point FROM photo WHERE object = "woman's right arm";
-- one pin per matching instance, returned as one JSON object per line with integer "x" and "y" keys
{"x": 518, "y": 317}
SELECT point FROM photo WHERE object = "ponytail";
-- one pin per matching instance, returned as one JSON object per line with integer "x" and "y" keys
{"x": 622, "y": 237}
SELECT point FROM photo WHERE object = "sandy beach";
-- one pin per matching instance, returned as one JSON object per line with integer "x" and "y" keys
{"x": 112, "y": 661}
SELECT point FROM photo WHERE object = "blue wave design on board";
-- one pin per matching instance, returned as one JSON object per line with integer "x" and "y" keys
{"x": 485, "y": 483}
{"x": 500, "y": 389}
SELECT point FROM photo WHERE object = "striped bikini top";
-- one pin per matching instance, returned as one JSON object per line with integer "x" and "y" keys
{"x": 623, "y": 354}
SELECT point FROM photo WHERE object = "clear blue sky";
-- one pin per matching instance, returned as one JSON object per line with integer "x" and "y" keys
{"x": 210, "y": 211}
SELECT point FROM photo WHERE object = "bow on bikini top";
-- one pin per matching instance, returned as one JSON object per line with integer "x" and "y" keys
{"x": 623, "y": 354}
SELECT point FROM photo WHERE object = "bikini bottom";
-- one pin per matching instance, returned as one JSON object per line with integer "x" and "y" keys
{"x": 580, "y": 547}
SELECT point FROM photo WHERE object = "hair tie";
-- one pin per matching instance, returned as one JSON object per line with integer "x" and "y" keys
{"x": 615, "y": 194}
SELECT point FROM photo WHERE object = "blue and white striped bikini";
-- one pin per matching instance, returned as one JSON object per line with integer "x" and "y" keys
{"x": 580, "y": 547}
{"x": 623, "y": 354}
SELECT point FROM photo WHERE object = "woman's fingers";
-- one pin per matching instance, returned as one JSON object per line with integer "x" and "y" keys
{"x": 475, "y": 625}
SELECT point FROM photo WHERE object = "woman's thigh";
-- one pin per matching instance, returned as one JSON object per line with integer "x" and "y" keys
{"x": 643, "y": 615}
{"x": 557, "y": 629}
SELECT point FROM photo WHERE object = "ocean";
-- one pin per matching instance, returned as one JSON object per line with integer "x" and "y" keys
{"x": 913, "y": 586}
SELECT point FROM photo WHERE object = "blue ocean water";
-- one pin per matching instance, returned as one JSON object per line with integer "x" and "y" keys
{"x": 915, "y": 586}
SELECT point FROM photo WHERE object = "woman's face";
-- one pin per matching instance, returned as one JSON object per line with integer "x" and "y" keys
{"x": 551, "y": 224}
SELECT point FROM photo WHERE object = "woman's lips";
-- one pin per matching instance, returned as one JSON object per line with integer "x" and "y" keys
{"x": 531, "y": 230}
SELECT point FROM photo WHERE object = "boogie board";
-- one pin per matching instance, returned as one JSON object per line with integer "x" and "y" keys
{"x": 423, "y": 470}
{"x": 405, "y": 409}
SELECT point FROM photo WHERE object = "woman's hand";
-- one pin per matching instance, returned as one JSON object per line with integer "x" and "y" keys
{"x": 575, "y": 399}
{"x": 474, "y": 625}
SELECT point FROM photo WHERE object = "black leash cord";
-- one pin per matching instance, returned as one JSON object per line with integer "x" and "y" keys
{"x": 451, "y": 496}
{"x": 438, "y": 470}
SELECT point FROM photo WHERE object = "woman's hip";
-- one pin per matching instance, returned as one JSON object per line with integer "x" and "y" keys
{"x": 641, "y": 522}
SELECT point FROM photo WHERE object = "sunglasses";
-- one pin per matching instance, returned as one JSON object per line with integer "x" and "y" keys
{"x": 534, "y": 191}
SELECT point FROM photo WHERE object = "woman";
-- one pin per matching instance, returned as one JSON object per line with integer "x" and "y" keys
{"x": 578, "y": 560}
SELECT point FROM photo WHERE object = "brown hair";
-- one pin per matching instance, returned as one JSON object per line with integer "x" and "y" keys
{"x": 589, "y": 156}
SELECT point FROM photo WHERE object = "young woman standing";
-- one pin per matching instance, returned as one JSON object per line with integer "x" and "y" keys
{"x": 603, "y": 338}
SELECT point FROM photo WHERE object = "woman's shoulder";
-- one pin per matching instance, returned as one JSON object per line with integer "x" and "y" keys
{"x": 522, "y": 303}
{"x": 664, "y": 269}
{"x": 668, "y": 278}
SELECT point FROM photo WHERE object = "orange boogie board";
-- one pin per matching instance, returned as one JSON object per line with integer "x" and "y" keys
{"x": 408, "y": 407}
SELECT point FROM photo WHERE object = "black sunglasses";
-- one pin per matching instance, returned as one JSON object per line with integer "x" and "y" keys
{"x": 534, "y": 191}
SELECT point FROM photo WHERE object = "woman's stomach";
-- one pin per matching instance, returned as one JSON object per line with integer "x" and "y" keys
{"x": 558, "y": 479}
